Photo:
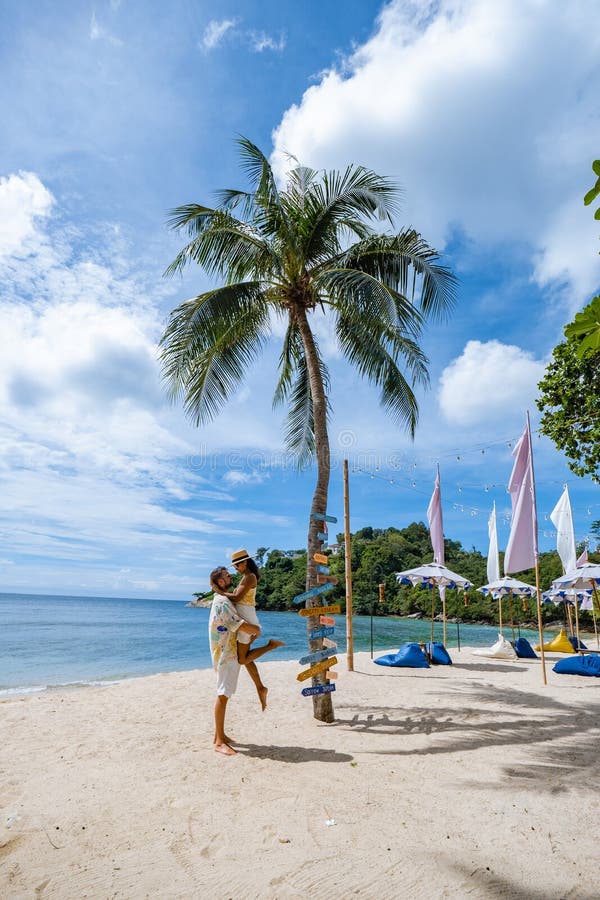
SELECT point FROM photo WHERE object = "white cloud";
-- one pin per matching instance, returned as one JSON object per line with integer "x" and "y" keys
{"x": 489, "y": 384}
{"x": 485, "y": 111}
{"x": 260, "y": 41}
{"x": 215, "y": 31}
{"x": 99, "y": 33}
{"x": 24, "y": 201}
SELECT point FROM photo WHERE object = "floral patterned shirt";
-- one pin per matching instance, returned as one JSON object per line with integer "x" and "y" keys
{"x": 223, "y": 624}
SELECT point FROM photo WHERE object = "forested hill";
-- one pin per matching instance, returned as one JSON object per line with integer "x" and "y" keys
{"x": 377, "y": 553}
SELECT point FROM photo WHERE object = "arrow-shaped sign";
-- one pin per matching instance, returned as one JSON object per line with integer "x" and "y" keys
{"x": 318, "y": 667}
{"x": 314, "y": 592}
{"x": 322, "y": 536}
{"x": 320, "y": 610}
{"x": 322, "y": 517}
{"x": 324, "y": 570}
{"x": 320, "y": 633}
{"x": 326, "y": 620}
{"x": 318, "y": 689}
{"x": 321, "y": 558}
{"x": 317, "y": 656}
{"x": 330, "y": 644}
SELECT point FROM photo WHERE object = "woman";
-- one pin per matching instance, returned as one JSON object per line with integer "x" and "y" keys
{"x": 244, "y": 598}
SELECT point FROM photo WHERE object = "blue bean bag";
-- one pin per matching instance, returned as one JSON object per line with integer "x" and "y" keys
{"x": 573, "y": 643}
{"x": 579, "y": 665}
{"x": 523, "y": 649}
{"x": 409, "y": 655}
{"x": 438, "y": 654}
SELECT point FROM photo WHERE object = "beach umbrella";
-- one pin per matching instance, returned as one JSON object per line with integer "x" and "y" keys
{"x": 585, "y": 577}
{"x": 433, "y": 575}
{"x": 507, "y": 587}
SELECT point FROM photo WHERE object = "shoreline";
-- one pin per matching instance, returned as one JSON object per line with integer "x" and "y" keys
{"x": 464, "y": 780}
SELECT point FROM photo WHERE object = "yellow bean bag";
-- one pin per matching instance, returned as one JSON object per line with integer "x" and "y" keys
{"x": 560, "y": 644}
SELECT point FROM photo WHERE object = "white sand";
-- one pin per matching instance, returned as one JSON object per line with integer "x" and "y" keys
{"x": 464, "y": 781}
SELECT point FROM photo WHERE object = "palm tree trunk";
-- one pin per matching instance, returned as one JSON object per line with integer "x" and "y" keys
{"x": 322, "y": 705}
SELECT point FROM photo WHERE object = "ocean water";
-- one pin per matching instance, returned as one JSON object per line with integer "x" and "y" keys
{"x": 47, "y": 641}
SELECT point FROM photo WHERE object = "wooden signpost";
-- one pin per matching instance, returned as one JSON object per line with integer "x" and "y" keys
{"x": 331, "y": 674}
{"x": 318, "y": 667}
{"x": 320, "y": 633}
{"x": 322, "y": 517}
{"x": 318, "y": 689}
{"x": 314, "y": 592}
{"x": 320, "y": 610}
{"x": 321, "y": 660}
{"x": 317, "y": 656}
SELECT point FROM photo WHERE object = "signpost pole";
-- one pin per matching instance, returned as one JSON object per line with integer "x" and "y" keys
{"x": 348, "y": 564}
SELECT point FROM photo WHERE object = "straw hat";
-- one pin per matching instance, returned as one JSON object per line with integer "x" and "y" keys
{"x": 239, "y": 556}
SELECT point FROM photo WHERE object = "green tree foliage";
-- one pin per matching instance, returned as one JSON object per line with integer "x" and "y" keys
{"x": 570, "y": 402}
{"x": 595, "y": 190}
{"x": 378, "y": 553}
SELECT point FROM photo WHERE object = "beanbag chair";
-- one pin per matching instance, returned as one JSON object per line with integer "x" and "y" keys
{"x": 438, "y": 654}
{"x": 524, "y": 650}
{"x": 502, "y": 649}
{"x": 560, "y": 644}
{"x": 579, "y": 665}
{"x": 575, "y": 644}
{"x": 409, "y": 655}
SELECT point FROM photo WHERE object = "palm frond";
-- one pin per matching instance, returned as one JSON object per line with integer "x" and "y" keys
{"x": 407, "y": 263}
{"x": 209, "y": 343}
{"x": 375, "y": 352}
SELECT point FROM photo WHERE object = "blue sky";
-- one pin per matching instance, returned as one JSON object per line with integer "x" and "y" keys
{"x": 115, "y": 112}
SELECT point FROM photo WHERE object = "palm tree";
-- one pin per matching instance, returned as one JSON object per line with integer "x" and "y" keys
{"x": 286, "y": 253}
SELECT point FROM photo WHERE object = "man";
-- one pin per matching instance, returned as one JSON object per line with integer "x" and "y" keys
{"x": 224, "y": 625}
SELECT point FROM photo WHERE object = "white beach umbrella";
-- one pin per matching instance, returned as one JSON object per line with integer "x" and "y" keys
{"x": 506, "y": 587}
{"x": 586, "y": 577}
{"x": 433, "y": 575}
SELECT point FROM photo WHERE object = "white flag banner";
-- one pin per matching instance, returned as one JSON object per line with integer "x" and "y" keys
{"x": 562, "y": 519}
{"x": 493, "y": 562}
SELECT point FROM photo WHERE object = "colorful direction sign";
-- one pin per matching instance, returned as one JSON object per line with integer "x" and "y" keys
{"x": 318, "y": 689}
{"x": 326, "y": 579}
{"x": 322, "y": 517}
{"x": 320, "y": 610}
{"x": 323, "y": 570}
{"x": 320, "y": 633}
{"x": 322, "y": 535}
{"x": 321, "y": 558}
{"x": 318, "y": 667}
{"x": 329, "y": 644}
{"x": 326, "y": 620}
{"x": 317, "y": 656}
{"x": 314, "y": 592}
{"x": 331, "y": 674}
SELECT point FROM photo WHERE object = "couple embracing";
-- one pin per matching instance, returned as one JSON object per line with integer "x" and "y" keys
{"x": 233, "y": 625}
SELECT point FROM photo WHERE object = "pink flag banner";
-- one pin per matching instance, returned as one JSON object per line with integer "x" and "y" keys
{"x": 521, "y": 550}
{"x": 583, "y": 559}
{"x": 436, "y": 524}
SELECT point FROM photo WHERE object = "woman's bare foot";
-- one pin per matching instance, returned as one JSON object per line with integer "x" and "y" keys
{"x": 273, "y": 643}
{"x": 225, "y": 749}
{"x": 262, "y": 696}
{"x": 227, "y": 740}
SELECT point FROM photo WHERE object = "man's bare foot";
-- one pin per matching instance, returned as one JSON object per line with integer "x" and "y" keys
{"x": 228, "y": 740}
{"x": 225, "y": 749}
{"x": 273, "y": 643}
{"x": 262, "y": 696}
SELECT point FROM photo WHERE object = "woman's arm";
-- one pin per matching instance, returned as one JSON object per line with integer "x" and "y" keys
{"x": 248, "y": 581}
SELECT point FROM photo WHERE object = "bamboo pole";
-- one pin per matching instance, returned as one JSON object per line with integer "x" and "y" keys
{"x": 444, "y": 614}
{"x": 432, "y": 612}
{"x": 500, "y": 613}
{"x": 595, "y": 597}
{"x": 348, "y": 564}
{"x": 539, "y": 613}
{"x": 577, "y": 622}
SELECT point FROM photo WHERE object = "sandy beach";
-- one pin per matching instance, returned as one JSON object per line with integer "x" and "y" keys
{"x": 466, "y": 781}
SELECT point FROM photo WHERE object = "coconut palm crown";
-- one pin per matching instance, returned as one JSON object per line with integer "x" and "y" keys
{"x": 311, "y": 247}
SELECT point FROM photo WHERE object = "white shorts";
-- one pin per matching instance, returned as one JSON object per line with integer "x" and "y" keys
{"x": 248, "y": 614}
{"x": 227, "y": 678}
